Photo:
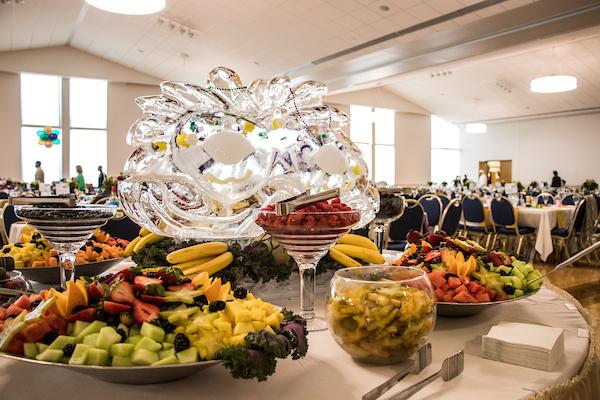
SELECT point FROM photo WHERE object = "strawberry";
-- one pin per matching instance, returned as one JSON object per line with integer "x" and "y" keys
{"x": 496, "y": 259}
{"x": 115, "y": 308}
{"x": 95, "y": 291}
{"x": 431, "y": 255}
{"x": 435, "y": 239}
{"x": 122, "y": 293}
{"x": 87, "y": 315}
{"x": 144, "y": 312}
{"x": 145, "y": 281}
{"x": 151, "y": 299}
{"x": 413, "y": 237}
{"x": 125, "y": 274}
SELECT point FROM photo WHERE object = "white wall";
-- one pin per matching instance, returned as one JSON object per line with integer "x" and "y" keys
{"x": 124, "y": 86}
{"x": 536, "y": 147}
{"x": 412, "y": 133}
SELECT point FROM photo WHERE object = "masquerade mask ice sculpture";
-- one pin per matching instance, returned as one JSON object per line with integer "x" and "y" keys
{"x": 205, "y": 157}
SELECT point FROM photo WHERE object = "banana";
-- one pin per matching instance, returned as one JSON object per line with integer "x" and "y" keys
{"x": 128, "y": 252}
{"x": 357, "y": 240}
{"x": 368, "y": 255}
{"x": 146, "y": 240}
{"x": 144, "y": 232}
{"x": 197, "y": 251}
{"x": 212, "y": 266}
{"x": 343, "y": 259}
{"x": 193, "y": 263}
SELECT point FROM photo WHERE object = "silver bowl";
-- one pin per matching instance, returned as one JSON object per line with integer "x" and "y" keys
{"x": 129, "y": 375}
{"x": 468, "y": 309}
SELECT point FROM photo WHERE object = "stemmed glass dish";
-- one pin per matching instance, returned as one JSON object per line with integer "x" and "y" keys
{"x": 67, "y": 229}
{"x": 391, "y": 207}
{"x": 307, "y": 236}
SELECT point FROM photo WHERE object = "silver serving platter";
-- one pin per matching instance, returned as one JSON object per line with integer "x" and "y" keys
{"x": 128, "y": 375}
{"x": 51, "y": 275}
{"x": 468, "y": 309}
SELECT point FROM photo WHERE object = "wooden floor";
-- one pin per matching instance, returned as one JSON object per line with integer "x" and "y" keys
{"x": 582, "y": 281}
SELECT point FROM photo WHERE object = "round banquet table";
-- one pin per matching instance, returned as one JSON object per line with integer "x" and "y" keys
{"x": 544, "y": 220}
{"x": 328, "y": 373}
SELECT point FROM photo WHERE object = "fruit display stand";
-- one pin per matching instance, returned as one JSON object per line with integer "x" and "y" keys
{"x": 329, "y": 373}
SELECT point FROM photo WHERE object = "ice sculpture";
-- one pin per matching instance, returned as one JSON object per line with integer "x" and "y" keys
{"x": 206, "y": 157}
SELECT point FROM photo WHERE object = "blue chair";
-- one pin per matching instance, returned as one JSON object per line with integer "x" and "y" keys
{"x": 562, "y": 237}
{"x": 4, "y": 196}
{"x": 433, "y": 206}
{"x": 451, "y": 217}
{"x": 445, "y": 200}
{"x": 474, "y": 223}
{"x": 507, "y": 226}
{"x": 545, "y": 199}
{"x": 411, "y": 219}
{"x": 7, "y": 218}
{"x": 570, "y": 200}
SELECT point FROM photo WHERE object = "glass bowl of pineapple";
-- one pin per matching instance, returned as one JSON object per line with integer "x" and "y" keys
{"x": 380, "y": 314}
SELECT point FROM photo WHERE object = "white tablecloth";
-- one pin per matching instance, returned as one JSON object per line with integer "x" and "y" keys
{"x": 544, "y": 220}
{"x": 328, "y": 373}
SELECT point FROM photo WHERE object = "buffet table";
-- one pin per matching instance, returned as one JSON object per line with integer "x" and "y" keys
{"x": 328, "y": 373}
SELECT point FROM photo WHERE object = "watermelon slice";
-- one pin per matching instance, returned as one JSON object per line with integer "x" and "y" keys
{"x": 482, "y": 297}
{"x": 437, "y": 278}
{"x": 464, "y": 297}
{"x": 461, "y": 288}
{"x": 454, "y": 282}
{"x": 474, "y": 287}
{"x": 23, "y": 302}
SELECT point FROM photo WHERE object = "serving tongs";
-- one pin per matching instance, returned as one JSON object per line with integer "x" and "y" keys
{"x": 569, "y": 261}
{"x": 289, "y": 205}
{"x": 45, "y": 201}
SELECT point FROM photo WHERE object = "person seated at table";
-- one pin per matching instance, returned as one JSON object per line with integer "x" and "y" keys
{"x": 556, "y": 180}
{"x": 39, "y": 172}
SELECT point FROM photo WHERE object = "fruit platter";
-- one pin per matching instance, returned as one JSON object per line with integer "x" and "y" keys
{"x": 467, "y": 278}
{"x": 38, "y": 261}
{"x": 154, "y": 324}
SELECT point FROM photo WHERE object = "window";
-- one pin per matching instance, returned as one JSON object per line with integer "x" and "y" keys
{"x": 373, "y": 132}
{"x": 445, "y": 151}
{"x": 83, "y": 134}
{"x": 87, "y": 134}
{"x": 40, "y": 107}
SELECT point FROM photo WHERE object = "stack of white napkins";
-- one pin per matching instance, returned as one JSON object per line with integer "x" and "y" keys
{"x": 532, "y": 346}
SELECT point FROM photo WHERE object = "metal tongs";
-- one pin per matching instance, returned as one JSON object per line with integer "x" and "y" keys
{"x": 288, "y": 206}
{"x": 569, "y": 261}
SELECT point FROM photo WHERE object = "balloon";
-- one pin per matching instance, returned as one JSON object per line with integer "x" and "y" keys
{"x": 56, "y": 141}
{"x": 53, "y": 136}
{"x": 40, "y": 141}
{"x": 48, "y": 144}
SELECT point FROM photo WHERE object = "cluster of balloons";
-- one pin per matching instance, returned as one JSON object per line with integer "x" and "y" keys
{"x": 48, "y": 137}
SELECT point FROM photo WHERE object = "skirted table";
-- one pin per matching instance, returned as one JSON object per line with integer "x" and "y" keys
{"x": 329, "y": 373}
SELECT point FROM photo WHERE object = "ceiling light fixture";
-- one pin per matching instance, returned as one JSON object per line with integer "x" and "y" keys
{"x": 129, "y": 7}
{"x": 553, "y": 84}
{"x": 476, "y": 127}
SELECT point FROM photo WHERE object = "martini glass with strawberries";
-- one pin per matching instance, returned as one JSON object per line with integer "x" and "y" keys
{"x": 66, "y": 228}
{"x": 306, "y": 234}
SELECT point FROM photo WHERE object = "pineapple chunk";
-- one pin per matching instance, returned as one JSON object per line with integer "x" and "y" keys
{"x": 243, "y": 316}
{"x": 224, "y": 327}
{"x": 258, "y": 314}
{"x": 274, "y": 320}
{"x": 243, "y": 328}
{"x": 237, "y": 339}
{"x": 258, "y": 325}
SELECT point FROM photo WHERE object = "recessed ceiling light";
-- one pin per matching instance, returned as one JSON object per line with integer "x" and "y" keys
{"x": 129, "y": 7}
{"x": 140, "y": 50}
{"x": 553, "y": 84}
{"x": 184, "y": 55}
{"x": 384, "y": 8}
{"x": 476, "y": 127}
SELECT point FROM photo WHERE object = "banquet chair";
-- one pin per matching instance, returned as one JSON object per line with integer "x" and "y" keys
{"x": 562, "y": 238}
{"x": 570, "y": 200}
{"x": 411, "y": 219}
{"x": 474, "y": 224}
{"x": 4, "y": 195}
{"x": 545, "y": 198}
{"x": 445, "y": 200}
{"x": 122, "y": 228}
{"x": 450, "y": 220}
{"x": 506, "y": 224}
{"x": 433, "y": 206}
{"x": 7, "y": 218}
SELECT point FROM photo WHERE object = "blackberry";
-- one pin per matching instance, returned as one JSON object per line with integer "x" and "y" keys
{"x": 35, "y": 304}
{"x": 89, "y": 244}
{"x": 186, "y": 280}
{"x": 152, "y": 275}
{"x": 49, "y": 337}
{"x": 169, "y": 305}
{"x": 216, "y": 305}
{"x": 6, "y": 250}
{"x": 126, "y": 318}
{"x": 97, "y": 250}
{"x": 509, "y": 289}
{"x": 36, "y": 236}
{"x": 200, "y": 300}
{"x": 420, "y": 258}
{"x": 165, "y": 325}
{"x": 240, "y": 293}
{"x": 181, "y": 342}
{"x": 113, "y": 320}
{"x": 123, "y": 334}
{"x": 436, "y": 260}
{"x": 102, "y": 315}
{"x": 68, "y": 350}
{"x": 18, "y": 244}
{"x": 12, "y": 315}
{"x": 59, "y": 289}
{"x": 503, "y": 273}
